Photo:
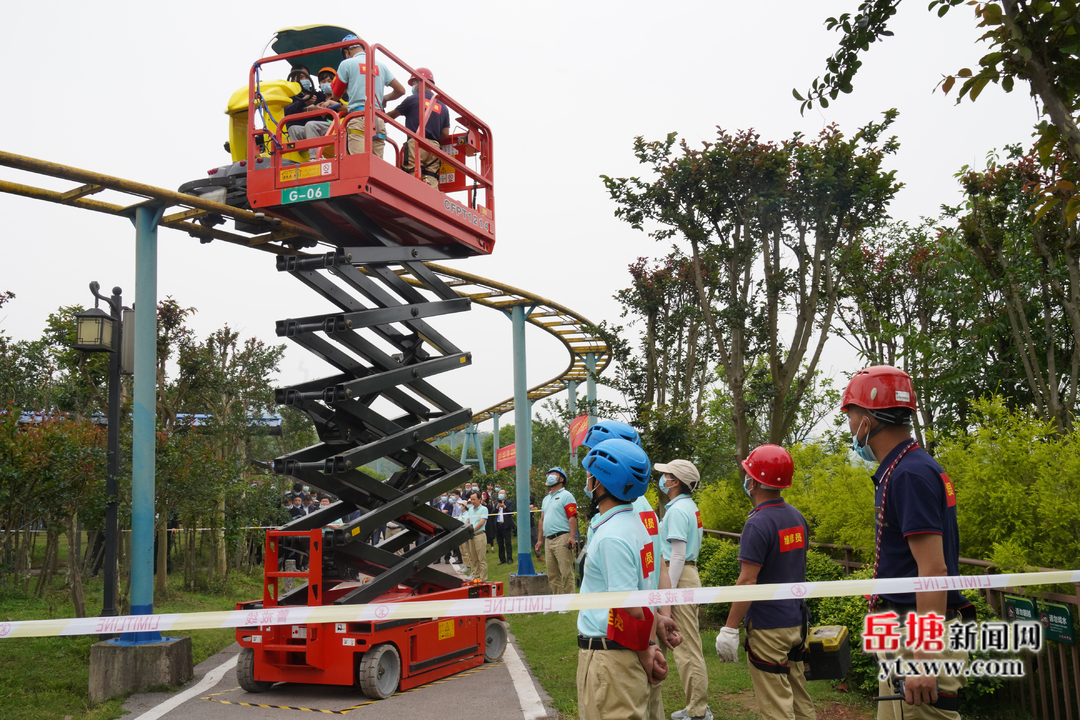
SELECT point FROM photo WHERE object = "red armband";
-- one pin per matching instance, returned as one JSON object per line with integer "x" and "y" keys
{"x": 571, "y": 510}
{"x": 628, "y": 631}
{"x": 337, "y": 87}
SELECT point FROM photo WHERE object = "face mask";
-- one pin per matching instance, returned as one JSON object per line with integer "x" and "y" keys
{"x": 325, "y": 87}
{"x": 306, "y": 488}
{"x": 552, "y": 479}
{"x": 442, "y": 499}
{"x": 746, "y": 488}
{"x": 414, "y": 89}
{"x": 863, "y": 450}
{"x": 587, "y": 490}
{"x": 661, "y": 484}
{"x": 306, "y": 84}
{"x": 502, "y": 496}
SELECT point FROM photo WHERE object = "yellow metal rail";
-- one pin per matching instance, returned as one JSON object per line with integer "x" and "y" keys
{"x": 572, "y": 330}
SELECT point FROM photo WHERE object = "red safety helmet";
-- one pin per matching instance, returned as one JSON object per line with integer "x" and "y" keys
{"x": 770, "y": 465}
{"x": 880, "y": 387}
{"x": 424, "y": 73}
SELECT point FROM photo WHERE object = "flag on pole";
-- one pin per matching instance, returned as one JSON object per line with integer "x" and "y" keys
{"x": 506, "y": 457}
{"x": 579, "y": 428}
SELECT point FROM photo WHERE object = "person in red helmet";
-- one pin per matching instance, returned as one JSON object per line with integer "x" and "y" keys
{"x": 916, "y": 533}
{"x": 772, "y": 550}
{"x": 436, "y": 129}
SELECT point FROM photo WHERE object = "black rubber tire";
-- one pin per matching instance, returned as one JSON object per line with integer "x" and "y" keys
{"x": 245, "y": 673}
{"x": 380, "y": 672}
{"x": 494, "y": 640}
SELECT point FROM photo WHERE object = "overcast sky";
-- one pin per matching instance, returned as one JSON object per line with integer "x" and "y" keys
{"x": 137, "y": 90}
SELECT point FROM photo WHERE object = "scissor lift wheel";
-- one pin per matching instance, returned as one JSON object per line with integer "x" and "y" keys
{"x": 494, "y": 640}
{"x": 245, "y": 673}
{"x": 380, "y": 672}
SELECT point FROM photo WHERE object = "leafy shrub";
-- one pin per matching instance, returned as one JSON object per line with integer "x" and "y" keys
{"x": 720, "y": 568}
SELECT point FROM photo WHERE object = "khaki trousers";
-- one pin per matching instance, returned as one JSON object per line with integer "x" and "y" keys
{"x": 356, "y": 136}
{"x": 890, "y": 710}
{"x": 655, "y": 708}
{"x": 611, "y": 685}
{"x": 780, "y": 697}
{"x": 560, "y": 565}
{"x": 466, "y": 554}
{"x": 478, "y": 550}
{"x": 429, "y": 162}
{"x": 689, "y": 657}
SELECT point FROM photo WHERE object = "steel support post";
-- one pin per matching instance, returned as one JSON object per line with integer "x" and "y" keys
{"x": 495, "y": 444}
{"x": 479, "y": 450}
{"x": 522, "y": 441}
{"x": 590, "y": 386}
{"x": 571, "y": 405}
{"x": 144, "y": 420}
{"x": 112, "y": 470}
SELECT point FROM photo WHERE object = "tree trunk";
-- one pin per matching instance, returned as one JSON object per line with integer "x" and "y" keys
{"x": 161, "y": 577}
{"x": 74, "y": 577}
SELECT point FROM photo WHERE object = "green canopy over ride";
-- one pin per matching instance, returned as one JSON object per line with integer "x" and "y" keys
{"x": 289, "y": 40}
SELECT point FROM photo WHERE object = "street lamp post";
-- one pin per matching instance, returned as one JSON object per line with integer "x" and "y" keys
{"x": 96, "y": 331}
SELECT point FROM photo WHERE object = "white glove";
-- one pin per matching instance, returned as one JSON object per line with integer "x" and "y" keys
{"x": 727, "y": 644}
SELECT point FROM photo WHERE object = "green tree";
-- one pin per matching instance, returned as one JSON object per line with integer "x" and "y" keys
{"x": 786, "y": 208}
{"x": 1035, "y": 42}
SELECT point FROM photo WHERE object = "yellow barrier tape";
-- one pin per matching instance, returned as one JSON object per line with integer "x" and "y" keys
{"x": 376, "y": 612}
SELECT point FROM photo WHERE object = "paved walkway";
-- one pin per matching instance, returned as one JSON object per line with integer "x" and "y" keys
{"x": 508, "y": 688}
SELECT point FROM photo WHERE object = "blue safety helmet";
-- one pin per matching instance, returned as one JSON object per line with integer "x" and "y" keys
{"x": 620, "y": 466}
{"x": 348, "y": 37}
{"x": 610, "y": 430}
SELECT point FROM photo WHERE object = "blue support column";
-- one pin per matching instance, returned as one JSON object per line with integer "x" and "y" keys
{"x": 472, "y": 439}
{"x": 144, "y": 420}
{"x": 495, "y": 444}
{"x": 571, "y": 404}
{"x": 522, "y": 440}
{"x": 479, "y": 450}
{"x": 590, "y": 386}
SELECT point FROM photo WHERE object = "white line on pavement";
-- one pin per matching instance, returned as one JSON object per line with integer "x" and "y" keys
{"x": 531, "y": 705}
{"x": 209, "y": 680}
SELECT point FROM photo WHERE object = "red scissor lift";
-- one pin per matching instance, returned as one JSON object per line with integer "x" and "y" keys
{"x": 380, "y": 223}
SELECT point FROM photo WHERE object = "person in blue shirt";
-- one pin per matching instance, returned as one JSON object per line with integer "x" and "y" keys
{"x": 350, "y": 85}
{"x": 772, "y": 550}
{"x": 558, "y": 526}
{"x": 916, "y": 529}
{"x": 617, "y": 656}
{"x": 436, "y": 129}
{"x": 680, "y": 542}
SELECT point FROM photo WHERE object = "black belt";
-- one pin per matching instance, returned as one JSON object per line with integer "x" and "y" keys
{"x": 552, "y": 537}
{"x": 598, "y": 643}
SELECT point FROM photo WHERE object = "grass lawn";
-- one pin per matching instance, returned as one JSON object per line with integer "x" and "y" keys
{"x": 549, "y": 643}
{"x": 48, "y": 678}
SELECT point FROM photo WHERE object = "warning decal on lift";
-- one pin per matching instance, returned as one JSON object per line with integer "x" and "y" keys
{"x": 305, "y": 171}
{"x": 446, "y": 629}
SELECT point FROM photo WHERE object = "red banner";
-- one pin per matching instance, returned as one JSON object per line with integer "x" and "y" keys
{"x": 506, "y": 457}
{"x": 579, "y": 428}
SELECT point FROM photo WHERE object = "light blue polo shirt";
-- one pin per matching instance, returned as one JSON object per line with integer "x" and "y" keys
{"x": 479, "y": 513}
{"x": 652, "y": 527}
{"x": 352, "y": 70}
{"x": 621, "y": 557}
{"x": 682, "y": 521}
{"x": 554, "y": 509}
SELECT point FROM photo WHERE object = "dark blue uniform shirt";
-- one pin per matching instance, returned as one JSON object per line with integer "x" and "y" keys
{"x": 438, "y": 117}
{"x": 775, "y": 538}
{"x": 920, "y": 500}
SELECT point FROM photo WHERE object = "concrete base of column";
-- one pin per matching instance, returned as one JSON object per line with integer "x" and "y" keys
{"x": 529, "y": 585}
{"x": 121, "y": 669}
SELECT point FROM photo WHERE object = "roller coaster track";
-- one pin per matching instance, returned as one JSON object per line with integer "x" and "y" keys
{"x": 573, "y": 330}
